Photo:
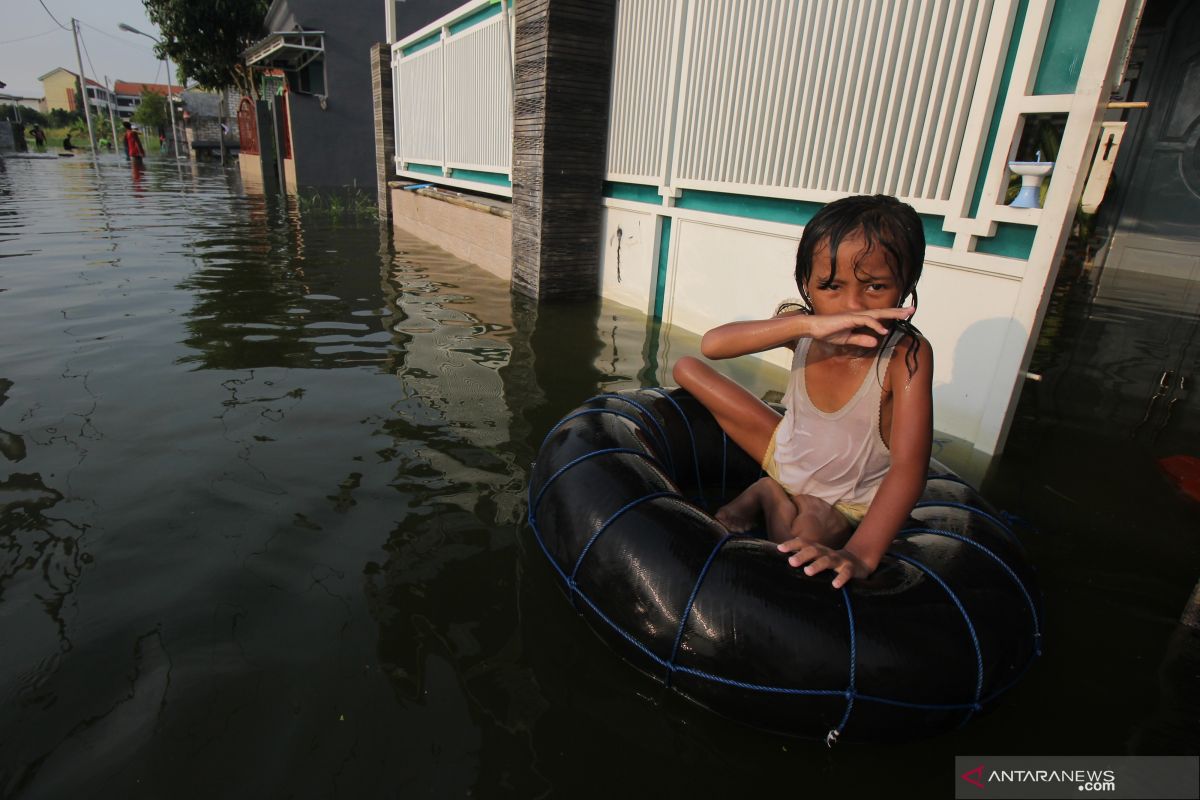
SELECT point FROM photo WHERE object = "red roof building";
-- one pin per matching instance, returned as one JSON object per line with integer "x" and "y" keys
{"x": 135, "y": 89}
{"x": 129, "y": 95}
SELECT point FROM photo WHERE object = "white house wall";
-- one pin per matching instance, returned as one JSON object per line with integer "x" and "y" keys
{"x": 723, "y": 272}
{"x": 629, "y": 267}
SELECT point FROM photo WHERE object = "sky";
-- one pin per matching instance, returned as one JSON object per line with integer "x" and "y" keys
{"x": 31, "y": 44}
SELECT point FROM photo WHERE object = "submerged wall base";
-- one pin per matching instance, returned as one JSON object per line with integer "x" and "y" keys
{"x": 478, "y": 230}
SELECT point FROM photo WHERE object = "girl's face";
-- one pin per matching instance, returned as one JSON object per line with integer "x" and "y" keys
{"x": 864, "y": 279}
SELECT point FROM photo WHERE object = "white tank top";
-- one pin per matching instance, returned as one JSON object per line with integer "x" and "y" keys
{"x": 838, "y": 456}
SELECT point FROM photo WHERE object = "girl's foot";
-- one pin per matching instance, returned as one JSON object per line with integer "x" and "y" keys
{"x": 736, "y": 520}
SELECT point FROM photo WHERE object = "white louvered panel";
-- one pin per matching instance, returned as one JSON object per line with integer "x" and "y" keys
{"x": 642, "y": 63}
{"x": 847, "y": 75}
{"x": 814, "y": 97}
{"x": 938, "y": 125}
{"x": 919, "y": 103}
{"x": 881, "y": 72}
{"x": 912, "y": 43}
{"x": 478, "y": 99}
{"x": 766, "y": 155}
{"x": 419, "y": 107}
{"x": 860, "y": 89}
{"x": 949, "y": 145}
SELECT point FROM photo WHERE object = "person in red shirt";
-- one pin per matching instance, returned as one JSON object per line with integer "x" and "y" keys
{"x": 133, "y": 143}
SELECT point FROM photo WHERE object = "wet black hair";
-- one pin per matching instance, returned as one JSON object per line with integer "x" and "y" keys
{"x": 884, "y": 222}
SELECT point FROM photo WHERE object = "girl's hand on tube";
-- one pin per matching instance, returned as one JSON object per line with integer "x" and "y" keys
{"x": 845, "y": 564}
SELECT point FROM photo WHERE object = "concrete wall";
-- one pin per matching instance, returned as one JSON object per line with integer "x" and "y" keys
{"x": 476, "y": 233}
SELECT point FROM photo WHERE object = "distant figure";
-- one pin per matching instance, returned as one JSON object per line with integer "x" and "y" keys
{"x": 104, "y": 143}
{"x": 39, "y": 138}
{"x": 67, "y": 144}
{"x": 162, "y": 141}
{"x": 133, "y": 143}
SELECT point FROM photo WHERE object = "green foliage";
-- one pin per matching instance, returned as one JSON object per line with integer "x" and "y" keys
{"x": 61, "y": 118}
{"x": 206, "y": 40}
{"x": 337, "y": 203}
{"x": 153, "y": 111}
{"x": 29, "y": 115}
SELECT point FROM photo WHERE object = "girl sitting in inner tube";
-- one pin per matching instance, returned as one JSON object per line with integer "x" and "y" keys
{"x": 847, "y": 460}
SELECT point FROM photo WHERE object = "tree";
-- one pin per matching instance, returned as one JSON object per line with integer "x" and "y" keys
{"x": 206, "y": 39}
{"x": 61, "y": 118}
{"x": 28, "y": 115}
{"x": 153, "y": 111}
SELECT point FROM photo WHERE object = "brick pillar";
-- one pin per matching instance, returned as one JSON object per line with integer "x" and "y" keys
{"x": 560, "y": 132}
{"x": 385, "y": 131}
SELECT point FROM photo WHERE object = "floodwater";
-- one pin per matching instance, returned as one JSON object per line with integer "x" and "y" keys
{"x": 262, "y": 478}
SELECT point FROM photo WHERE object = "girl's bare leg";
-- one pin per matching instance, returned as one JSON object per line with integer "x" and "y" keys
{"x": 765, "y": 500}
{"x": 748, "y": 421}
{"x": 817, "y": 522}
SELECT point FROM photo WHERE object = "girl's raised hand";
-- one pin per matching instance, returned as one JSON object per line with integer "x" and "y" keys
{"x": 864, "y": 328}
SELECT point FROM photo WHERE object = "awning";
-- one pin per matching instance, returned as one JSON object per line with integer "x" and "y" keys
{"x": 286, "y": 50}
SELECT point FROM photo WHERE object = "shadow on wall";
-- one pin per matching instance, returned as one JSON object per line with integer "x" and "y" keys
{"x": 959, "y": 402}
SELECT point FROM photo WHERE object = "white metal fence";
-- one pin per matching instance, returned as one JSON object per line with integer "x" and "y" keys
{"x": 452, "y": 85}
{"x": 816, "y": 99}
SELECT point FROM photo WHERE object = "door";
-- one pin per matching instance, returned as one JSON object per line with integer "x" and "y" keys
{"x": 1131, "y": 353}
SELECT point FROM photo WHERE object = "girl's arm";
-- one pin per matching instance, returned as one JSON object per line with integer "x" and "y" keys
{"x": 861, "y": 329}
{"x": 911, "y": 443}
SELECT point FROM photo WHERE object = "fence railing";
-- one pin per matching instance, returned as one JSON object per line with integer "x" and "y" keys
{"x": 811, "y": 100}
{"x": 452, "y": 82}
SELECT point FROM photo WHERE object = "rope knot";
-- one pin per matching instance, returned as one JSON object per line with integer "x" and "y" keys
{"x": 976, "y": 707}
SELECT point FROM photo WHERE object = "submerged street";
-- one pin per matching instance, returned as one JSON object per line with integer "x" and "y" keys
{"x": 262, "y": 521}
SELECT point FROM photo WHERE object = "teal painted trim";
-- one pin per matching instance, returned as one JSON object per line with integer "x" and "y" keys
{"x": 772, "y": 209}
{"x": 1066, "y": 43}
{"x": 428, "y": 169}
{"x": 421, "y": 44}
{"x": 473, "y": 19}
{"x": 637, "y": 192}
{"x": 496, "y": 178}
{"x": 1011, "y": 240}
{"x": 998, "y": 110}
{"x": 660, "y": 280}
{"x": 934, "y": 235}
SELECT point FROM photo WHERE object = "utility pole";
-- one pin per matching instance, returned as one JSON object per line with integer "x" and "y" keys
{"x": 221, "y": 121}
{"x": 171, "y": 108}
{"x": 112, "y": 100}
{"x": 87, "y": 114}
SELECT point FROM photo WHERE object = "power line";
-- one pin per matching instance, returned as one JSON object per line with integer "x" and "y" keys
{"x": 126, "y": 40}
{"x": 34, "y": 36}
{"x": 56, "y": 22}
{"x": 89, "y": 55}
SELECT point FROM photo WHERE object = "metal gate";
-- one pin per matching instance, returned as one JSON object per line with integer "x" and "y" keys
{"x": 247, "y": 127}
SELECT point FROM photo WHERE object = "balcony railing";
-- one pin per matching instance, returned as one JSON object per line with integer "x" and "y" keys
{"x": 452, "y": 85}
